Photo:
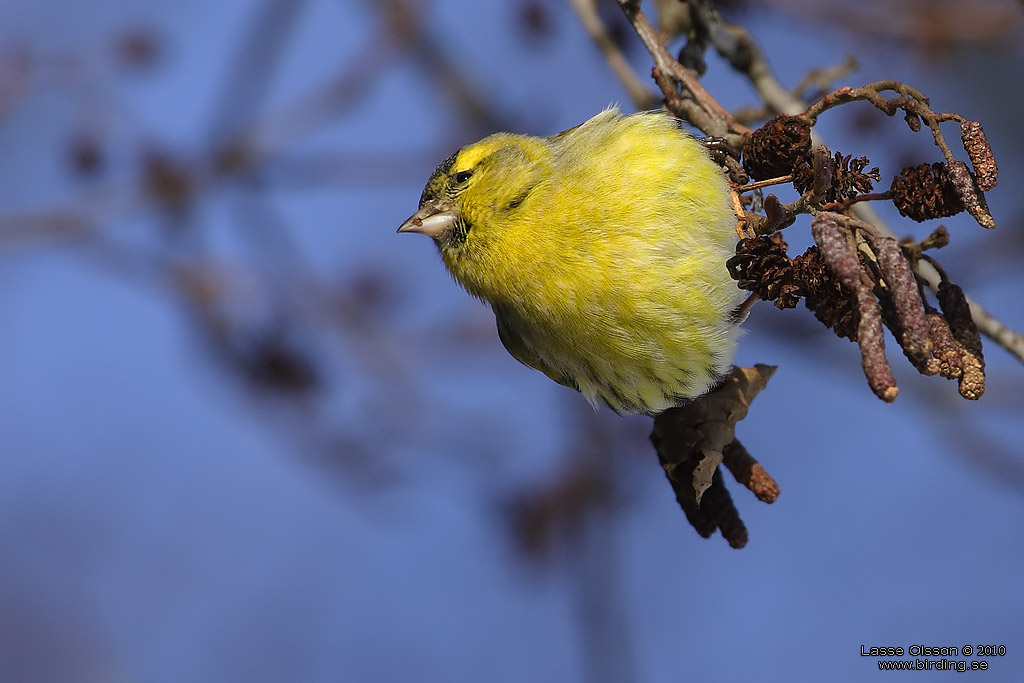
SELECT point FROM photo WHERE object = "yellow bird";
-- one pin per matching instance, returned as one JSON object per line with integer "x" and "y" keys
{"x": 601, "y": 251}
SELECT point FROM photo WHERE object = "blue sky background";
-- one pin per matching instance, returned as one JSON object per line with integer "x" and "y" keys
{"x": 165, "y": 517}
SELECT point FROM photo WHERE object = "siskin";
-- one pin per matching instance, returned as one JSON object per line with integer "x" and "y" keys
{"x": 602, "y": 252}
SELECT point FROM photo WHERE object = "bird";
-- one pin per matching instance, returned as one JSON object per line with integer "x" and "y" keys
{"x": 602, "y": 252}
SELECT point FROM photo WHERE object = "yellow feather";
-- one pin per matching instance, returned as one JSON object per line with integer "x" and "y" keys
{"x": 601, "y": 251}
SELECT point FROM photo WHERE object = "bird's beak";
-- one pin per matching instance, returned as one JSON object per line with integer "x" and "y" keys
{"x": 432, "y": 219}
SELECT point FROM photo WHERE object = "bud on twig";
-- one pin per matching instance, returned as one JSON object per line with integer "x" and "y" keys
{"x": 980, "y": 153}
{"x": 906, "y": 296}
{"x": 972, "y": 199}
{"x": 844, "y": 262}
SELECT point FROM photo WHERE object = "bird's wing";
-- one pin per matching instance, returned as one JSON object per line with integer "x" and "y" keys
{"x": 522, "y": 352}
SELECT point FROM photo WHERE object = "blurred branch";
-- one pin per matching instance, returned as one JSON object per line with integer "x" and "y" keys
{"x": 400, "y": 32}
{"x": 573, "y": 518}
{"x": 269, "y": 136}
{"x": 15, "y": 77}
{"x": 409, "y": 28}
{"x": 249, "y": 77}
{"x": 267, "y": 317}
{"x": 639, "y": 93}
{"x": 933, "y": 28}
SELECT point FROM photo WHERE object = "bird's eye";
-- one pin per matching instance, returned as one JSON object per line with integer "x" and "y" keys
{"x": 462, "y": 176}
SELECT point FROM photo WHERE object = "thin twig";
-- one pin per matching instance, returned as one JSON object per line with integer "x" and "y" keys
{"x": 910, "y": 100}
{"x": 822, "y": 79}
{"x": 720, "y": 122}
{"x": 765, "y": 183}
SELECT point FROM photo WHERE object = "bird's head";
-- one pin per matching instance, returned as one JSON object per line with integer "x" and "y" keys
{"x": 477, "y": 193}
